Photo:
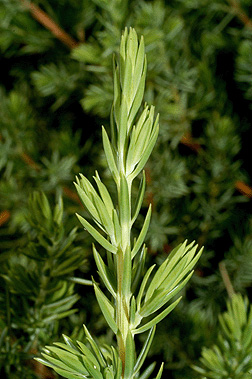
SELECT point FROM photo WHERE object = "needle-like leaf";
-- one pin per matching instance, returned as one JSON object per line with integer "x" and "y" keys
{"x": 104, "y": 272}
{"x": 142, "y": 234}
{"x": 106, "y": 308}
{"x": 99, "y": 238}
{"x": 145, "y": 350}
{"x": 130, "y": 356}
{"x": 158, "y": 318}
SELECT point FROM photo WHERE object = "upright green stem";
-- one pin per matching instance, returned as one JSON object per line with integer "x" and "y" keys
{"x": 124, "y": 277}
{"x": 122, "y": 310}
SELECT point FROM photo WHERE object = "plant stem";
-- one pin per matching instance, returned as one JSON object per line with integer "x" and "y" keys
{"x": 123, "y": 279}
{"x": 49, "y": 24}
{"x": 122, "y": 310}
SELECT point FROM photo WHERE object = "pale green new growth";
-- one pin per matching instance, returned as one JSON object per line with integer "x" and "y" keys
{"x": 130, "y": 298}
{"x": 231, "y": 357}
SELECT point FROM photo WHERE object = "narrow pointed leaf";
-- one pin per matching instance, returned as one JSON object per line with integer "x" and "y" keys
{"x": 139, "y": 199}
{"x": 118, "y": 364}
{"x": 104, "y": 194}
{"x": 106, "y": 219}
{"x": 88, "y": 354}
{"x": 94, "y": 347}
{"x": 129, "y": 357}
{"x": 160, "y": 371}
{"x": 122, "y": 52}
{"x": 106, "y": 308}
{"x": 143, "y": 285}
{"x": 117, "y": 96}
{"x": 142, "y": 235}
{"x": 97, "y": 352}
{"x": 68, "y": 375}
{"x": 71, "y": 360}
{"x": 158, "y": 318}
{"x": 145, "y": 350}
{"x": 175, "y": 276}
{"x": 147, "y": 372}
{"x": 93, "y": 370}
{"x": 97, "y": 236}
{"x": 166, "y": 266}
{"x": 139, "y": 65}
{"x": 46, "y": 363}
{"x": 146, "y": 154}
{"x": 69, "y": 342}
{"x": 69, "y": 348}
{"x": 104, "y": 272}
{"x": 88, "y": 204}
{"x": 53, "y": 362}
{"x": 160, "y": 298}
{"x": 143, "y": 137}
{"x": 138, "y": 268}
{"x": 138, "y": 98}
{"x": 130, "y": 161}
{"x": 109, "y": 155}
{"x": 127, "y": 80}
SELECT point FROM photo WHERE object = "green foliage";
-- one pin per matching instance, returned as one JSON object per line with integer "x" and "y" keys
{"x": 199, "y": 80}
{"x": 127, "y": 152}
{"x": 244, "y": 73}
{"x": 232, "y": 355}
{"x": 55, "y": 80}
{"x": 37, "y": 284}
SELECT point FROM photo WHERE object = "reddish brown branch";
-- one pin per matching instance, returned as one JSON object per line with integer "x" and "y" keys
{"x": 71, "y": 195}
{"x": 29, "y": 161}
{"x": 240, "y": 13}
{"x": 243, "y": 188}
{"x": 190, "y": 142}
{"x": 49, "y": 24}
{"x": 4, "y": 217}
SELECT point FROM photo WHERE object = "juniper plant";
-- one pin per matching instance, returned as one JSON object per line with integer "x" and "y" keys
{"x": 131, "y": 297}
{"x": 231, "y": 356}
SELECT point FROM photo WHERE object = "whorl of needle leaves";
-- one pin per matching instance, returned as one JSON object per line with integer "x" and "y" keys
{"x": 232, "y": 355}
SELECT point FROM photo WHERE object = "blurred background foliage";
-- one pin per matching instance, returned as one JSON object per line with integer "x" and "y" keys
{"x": 56, "y": 92}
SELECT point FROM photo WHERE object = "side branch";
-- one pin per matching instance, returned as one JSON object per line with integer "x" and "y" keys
{"x": 239, "y": 12}
{"x": 49, "y": 24}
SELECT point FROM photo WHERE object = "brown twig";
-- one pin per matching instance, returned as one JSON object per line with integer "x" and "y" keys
{"x": 4, "y": 217}
{"x": 236, "y": 7}
{"x": 71, "y": 195}
{"x": 226, "y": 279}
{"x": 29, "y": 161}
{"x": 243, "y": 188}
{"x": 187, "y": 140}
{"x": 49, "y": 24}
